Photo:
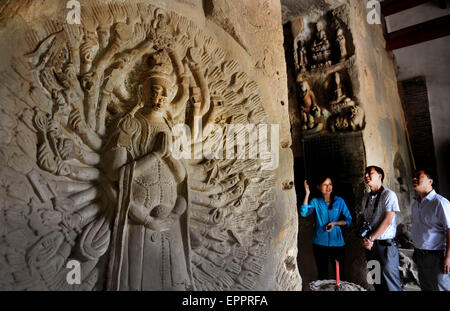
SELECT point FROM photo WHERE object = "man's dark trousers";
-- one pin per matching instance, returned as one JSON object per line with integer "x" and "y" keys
{"x": 386, "y": 253}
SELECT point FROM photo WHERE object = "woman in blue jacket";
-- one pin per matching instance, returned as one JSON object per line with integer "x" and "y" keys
{"x": 331, "y": 213}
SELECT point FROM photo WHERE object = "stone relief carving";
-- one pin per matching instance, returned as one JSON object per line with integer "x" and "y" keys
{"x": 310, "y": 110}
{"x": 345, "y": 113}
{"x": 99, "y": 102}
{"x": 337, "y": 112}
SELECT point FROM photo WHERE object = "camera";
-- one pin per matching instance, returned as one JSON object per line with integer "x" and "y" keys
{"x": 365, "y": 230}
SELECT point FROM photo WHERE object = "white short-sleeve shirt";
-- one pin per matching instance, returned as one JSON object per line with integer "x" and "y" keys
{"x": 388, "y": 203}
{"x": 430, "y": 222}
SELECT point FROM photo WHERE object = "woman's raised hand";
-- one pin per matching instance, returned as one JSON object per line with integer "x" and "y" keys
{"x": 306, "y": 187}
{"x": 303, "y": 209}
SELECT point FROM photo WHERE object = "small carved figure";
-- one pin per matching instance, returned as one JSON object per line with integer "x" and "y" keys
{"x": 88, "y": 50}
{"x": 321, "y": 47}
{"x": 309, "y": 109}
{"x": 303, "y": 57}
{"x": 341, "y": 40}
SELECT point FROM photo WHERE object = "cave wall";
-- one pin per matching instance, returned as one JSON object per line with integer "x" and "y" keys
{"x": 226, "y": 224}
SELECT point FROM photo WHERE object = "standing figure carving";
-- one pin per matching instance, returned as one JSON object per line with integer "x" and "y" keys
{"x": 303, "y": 57}
{"x": 147, "y": 247}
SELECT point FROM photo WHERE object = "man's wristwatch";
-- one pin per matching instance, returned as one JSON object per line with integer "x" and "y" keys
{"x": 370, "y": 238}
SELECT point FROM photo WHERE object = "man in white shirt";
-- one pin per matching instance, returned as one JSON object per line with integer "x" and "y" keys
{"x": 430, "y": 233}
{"x": 380, "y": 208}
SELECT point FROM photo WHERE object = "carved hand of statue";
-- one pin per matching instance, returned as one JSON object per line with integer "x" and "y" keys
{"x": 162, "y": 147}
{"x": 198, "y": 60}
{"x": 51, "y": 218}
{"x": 253, "y": 264}
{"x": 54, "y": 127}
{"x": 231, "y": 98}
{"x": 124, "y": 32}
{"x": 230, "y": 67}
{"x": 72, "y": 221}
{"x": 182, "y": 25}
{"x": 49, "y": 81}
{"x": 74, "y": 36}
{"x": 239, "y": 80}
{"x": 76, "y": 121}
{"x": 160, "y": 224}
{"x": 103, "y": 17}
{"x": 218, "y": 87}
{"x": 180, "y": 207}
{"x": 247, "y": 279}
{"x": 140, "y": 101}
{"x": 220, "y": 248}
{"x": 249, "y": 88}
{"x": 233, "y": 266}
{"x": 139, "y": 33}
{"x": 66, "y": 149}
{"x": 218, "y": 56}
{"x": 205, "y": 59}
{"x": 218, "y": 234}
{"x": 180, "y": 46}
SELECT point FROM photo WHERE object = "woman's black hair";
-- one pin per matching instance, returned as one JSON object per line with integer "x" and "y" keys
{"x": 318, "y": 182}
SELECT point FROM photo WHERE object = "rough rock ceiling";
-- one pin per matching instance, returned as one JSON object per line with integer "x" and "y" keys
{"x": 294, "y": 8}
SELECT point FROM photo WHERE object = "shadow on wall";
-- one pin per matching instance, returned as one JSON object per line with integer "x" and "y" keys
{"x": 305, "y": 259}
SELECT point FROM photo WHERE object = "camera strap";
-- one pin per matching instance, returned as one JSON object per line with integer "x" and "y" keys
{"x": 376, "y": 200}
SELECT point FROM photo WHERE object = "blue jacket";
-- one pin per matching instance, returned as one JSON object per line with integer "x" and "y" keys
{"x": 323, "y": 216}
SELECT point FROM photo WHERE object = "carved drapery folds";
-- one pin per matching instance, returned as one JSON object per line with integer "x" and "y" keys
{"x": 101, "y": 100}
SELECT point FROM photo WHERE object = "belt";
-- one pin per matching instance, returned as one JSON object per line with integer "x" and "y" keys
{"x": 387, "y": 242}
{"x": 429, "y": 251}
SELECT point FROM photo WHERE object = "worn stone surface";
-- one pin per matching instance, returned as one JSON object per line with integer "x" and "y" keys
{"x": 408, "y": 269}
{"x": 90, "y": 158}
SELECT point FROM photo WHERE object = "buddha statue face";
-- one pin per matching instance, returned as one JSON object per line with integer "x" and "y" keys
{"x": 157, "y": 94}
{"x": 158, "y": 97}
{"x": 159, "y": 87}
